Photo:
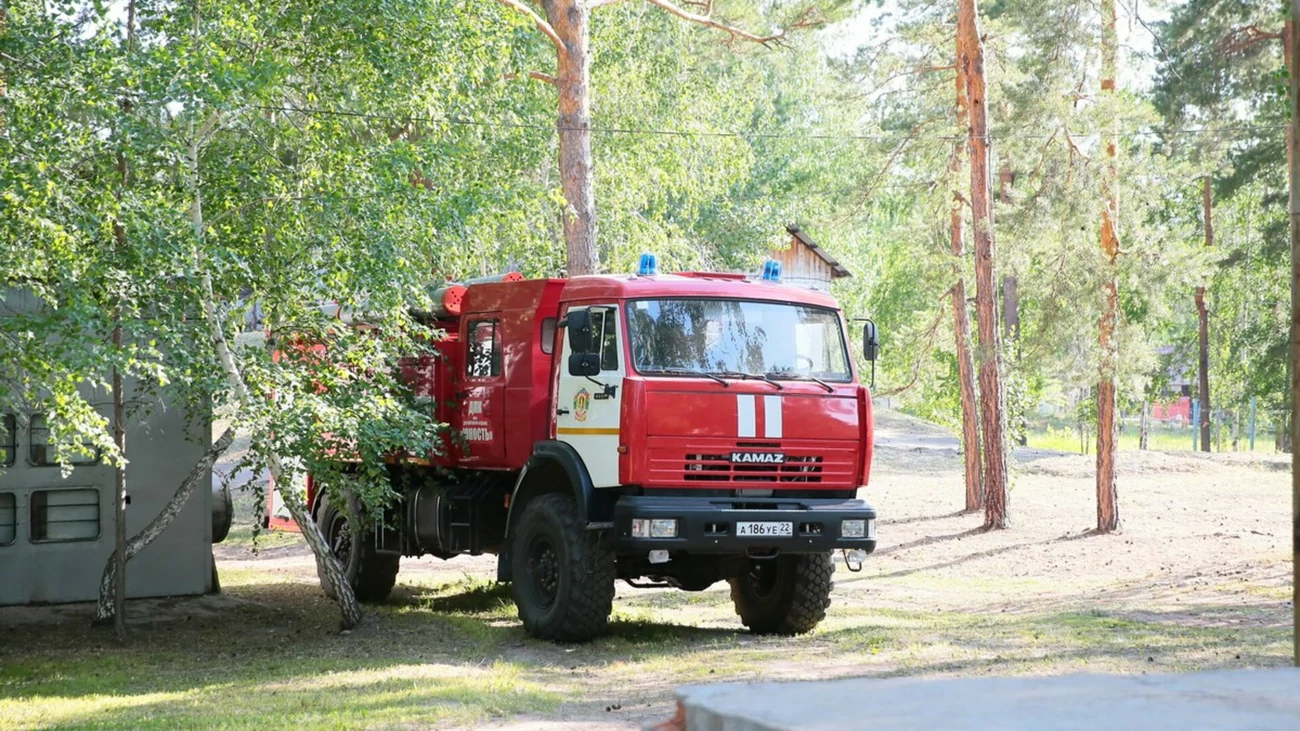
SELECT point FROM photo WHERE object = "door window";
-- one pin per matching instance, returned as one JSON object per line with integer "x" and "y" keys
{"x": 603, "y": 323}
{"x": 483, "y": 356}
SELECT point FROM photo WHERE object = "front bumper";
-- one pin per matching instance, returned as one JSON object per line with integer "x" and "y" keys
{"x": 708, "y": 525}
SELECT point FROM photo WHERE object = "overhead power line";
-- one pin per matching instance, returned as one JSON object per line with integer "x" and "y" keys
{"x": 1221, "y": 131}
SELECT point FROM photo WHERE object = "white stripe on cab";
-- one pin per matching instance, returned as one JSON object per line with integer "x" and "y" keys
{"x": 746, "y": 423}
{"x": 772, "y": 417}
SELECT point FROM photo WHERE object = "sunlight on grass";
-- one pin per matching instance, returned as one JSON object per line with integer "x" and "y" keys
{"x": 1066, "y": 439}
{"x": 241, "y": 535}
{"x": 422, "y": 695}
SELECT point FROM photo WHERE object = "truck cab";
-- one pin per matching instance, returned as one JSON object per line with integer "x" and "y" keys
{"x": 666, "y": 430}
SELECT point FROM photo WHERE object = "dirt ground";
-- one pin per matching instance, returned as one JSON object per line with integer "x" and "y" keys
{"x": 1199, "y": 577}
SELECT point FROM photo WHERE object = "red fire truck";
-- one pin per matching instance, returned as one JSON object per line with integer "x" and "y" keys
{"x": 667, "y": 430}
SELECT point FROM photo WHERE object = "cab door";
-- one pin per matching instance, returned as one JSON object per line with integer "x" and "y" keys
{"x": 587, "y": 408}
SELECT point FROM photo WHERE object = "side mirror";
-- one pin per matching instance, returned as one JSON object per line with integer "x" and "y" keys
{"x": 578, "y": 323}
{"x": 870, "y": 341}
{"x": 584, "y": 364}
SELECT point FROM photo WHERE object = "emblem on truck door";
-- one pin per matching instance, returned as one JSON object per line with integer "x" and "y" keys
{"x": 581, "y": 400}
{"x": 757, "y": 458}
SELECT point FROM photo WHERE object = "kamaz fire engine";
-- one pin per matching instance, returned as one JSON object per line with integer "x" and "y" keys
{"x": 667, "y": 430}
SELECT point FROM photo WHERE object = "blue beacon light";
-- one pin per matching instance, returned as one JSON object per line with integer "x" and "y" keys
{"x": 772, "y": 271}
{"x": 649, "y": 265}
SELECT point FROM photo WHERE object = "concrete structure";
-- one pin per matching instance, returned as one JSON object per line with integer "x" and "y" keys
{"x": 1237, "y": 699}
{"x": 56, "y": 532}
{"x": 805, "y": 264}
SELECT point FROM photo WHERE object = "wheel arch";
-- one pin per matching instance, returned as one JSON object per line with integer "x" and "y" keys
{"x": 554, "y": 467}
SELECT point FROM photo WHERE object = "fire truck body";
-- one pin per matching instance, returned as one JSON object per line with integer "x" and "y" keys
{"x": 670, "y": 429}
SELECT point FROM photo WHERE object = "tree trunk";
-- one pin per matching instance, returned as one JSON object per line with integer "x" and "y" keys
{"x": 1107, "y": 498}
{"x": 1236, "y": 429}
{"x": 1144, "y": 426}
{"x": 201, "y": 474}
{"x": 992, "y": 396}
{"x": 118, "y": 560}
{"x": 1292, "y": 44}
{"x": 1011, "y": 308}
{"x": 570, "y": 18}
{"x": 347, "y": 600}
{"x": 961, "y": 321}
{"x": 1203, "y": 328}
{"x": 1010, "y": 282}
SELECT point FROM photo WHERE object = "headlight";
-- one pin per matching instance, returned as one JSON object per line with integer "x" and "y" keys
{"x": 663, "y": 528}
{"x": 654, "y": 528}
{"x": 853, "y": 529}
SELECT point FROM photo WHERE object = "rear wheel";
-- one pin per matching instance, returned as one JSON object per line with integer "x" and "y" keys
{"x": 371, "y": 573}
{"x": 785, "y": 595}
{"x": 563, "y": 577}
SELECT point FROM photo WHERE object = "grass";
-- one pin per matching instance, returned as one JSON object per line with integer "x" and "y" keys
{"x": 269, "y": 659}
{"x": 453, "y": 653}
{"x": 1066, "y": 439}
{"x": 242, "y": 535}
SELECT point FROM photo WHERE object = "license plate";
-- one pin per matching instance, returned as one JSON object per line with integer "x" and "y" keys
{"x": 777, "y": 530}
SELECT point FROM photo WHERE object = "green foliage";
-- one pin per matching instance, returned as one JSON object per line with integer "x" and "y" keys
{"x": 1224, "y": 74}
{"x": 237, "y": 177}
{"x": 353, "y": 152}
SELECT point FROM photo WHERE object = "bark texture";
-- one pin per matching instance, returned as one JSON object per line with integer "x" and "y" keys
{"x": 569, "y": 20}
{"x": 1107, "y": 432}
{"x": 1203, "y": 326}
{"x": 961, "y": 321}
{"x": 992, "y": 394}
{"x": 201, "y": 474}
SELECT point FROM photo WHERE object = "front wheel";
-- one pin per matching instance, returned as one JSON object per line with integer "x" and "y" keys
{"x": 371, "y": 573}
{"x": 784, "y": 595}
{"x": 563, "y": 577}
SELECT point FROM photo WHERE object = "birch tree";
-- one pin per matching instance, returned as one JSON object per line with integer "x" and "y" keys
{"x": 237, "y": 185}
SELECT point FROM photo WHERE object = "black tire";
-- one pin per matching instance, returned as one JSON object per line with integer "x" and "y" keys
{"x": 786, "y": 595}
{"x": 563, "y": 577}
{"x": 371, "y": 573}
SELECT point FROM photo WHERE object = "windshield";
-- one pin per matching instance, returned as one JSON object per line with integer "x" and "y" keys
{"x": 737, "y": 336}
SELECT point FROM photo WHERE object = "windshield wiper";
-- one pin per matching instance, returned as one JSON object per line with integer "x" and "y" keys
{"x": 801, "y": 377}
{"x": 682, "y": 372}
{"x": 756, "y": 376}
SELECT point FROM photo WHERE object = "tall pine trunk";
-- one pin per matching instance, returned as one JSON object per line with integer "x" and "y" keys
{"x": 1203, "y": 326}
{"x": 1107, "y": 499}
{"x": 992, "y": 394}
{"x": 961, "y": 320}
{"x": 570, "y": 19}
